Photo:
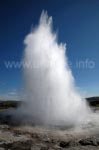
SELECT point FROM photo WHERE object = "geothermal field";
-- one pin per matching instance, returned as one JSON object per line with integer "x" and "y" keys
{"x": 53, "y": 115}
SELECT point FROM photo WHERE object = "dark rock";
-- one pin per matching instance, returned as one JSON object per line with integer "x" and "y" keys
{"x": 44, "y": 148}
{"x": 89, "y": 141}
{"x": 20, "y": 145}
{"x": 64, "y": 144}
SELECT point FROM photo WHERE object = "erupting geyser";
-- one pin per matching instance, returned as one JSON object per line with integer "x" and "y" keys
{"x": 51, "y": 95}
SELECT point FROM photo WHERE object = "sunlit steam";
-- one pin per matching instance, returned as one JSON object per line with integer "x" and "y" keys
{"x": 51, "y": 94}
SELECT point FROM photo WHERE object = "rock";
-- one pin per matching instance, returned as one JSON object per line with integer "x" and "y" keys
{"x": 57, "y": 147}
{"x": 89, "y": 141}
{"x": 5, "y": 144}
{"x": 34, "y": 147}
{"x": 24, "y": 145}
{"x": 83, "y": 148}
{"x": 44, "y": 148}
{"x": 39, "y": 146}
{"x": 2, "y": 149}
{"x": 64, "y": 144}
{"x": 20, "y": 145}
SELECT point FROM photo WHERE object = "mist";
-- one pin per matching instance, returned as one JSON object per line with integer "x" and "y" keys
{"x": 51, "y": 95}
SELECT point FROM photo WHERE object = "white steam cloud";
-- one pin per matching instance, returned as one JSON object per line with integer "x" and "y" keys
{"x": 51, "y": 98}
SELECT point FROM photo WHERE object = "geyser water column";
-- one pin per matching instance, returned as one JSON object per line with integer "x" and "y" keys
{"x": 51, "y": 98}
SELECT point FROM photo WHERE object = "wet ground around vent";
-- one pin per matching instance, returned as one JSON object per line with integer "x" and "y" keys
{"x": 29, "y": 137}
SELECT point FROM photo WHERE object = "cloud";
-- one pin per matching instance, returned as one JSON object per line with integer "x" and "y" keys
{"x": 13, "y": 94}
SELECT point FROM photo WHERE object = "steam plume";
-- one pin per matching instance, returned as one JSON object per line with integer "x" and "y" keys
{"x": 52, "y": 98}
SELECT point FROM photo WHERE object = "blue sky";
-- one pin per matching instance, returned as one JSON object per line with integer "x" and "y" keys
{"x": 77, "y": 24}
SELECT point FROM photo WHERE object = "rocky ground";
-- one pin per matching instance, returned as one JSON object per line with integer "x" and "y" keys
{"x": 23, "y": 137}
{"x": 39, "y": 138}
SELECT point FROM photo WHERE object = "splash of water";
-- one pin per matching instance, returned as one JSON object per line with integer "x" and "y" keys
{"x": 52, "y": 98}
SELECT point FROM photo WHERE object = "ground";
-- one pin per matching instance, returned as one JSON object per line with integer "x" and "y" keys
{"x": 26, "y": 137}
{"x": 42, "y": 138}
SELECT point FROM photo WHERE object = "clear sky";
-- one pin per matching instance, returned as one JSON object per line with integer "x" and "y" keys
{"x": 77, "y": 24}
